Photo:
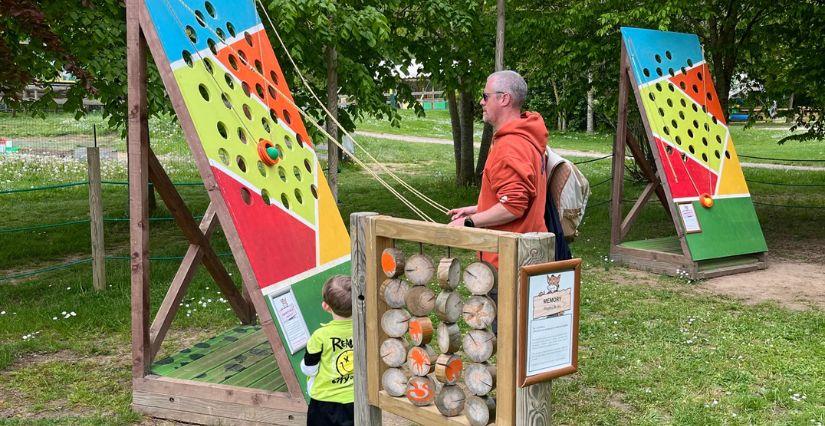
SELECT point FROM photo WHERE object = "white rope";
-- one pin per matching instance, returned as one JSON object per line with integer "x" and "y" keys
{"x": 375, "y": 175}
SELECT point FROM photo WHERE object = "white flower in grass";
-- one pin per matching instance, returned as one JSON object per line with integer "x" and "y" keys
{"x": 72, "y": 313}
{"x": 2, "y": 312}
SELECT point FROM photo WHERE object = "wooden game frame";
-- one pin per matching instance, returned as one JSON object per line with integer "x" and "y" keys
{"x": 523, "y": 293}
{"x": 677, "y": 263}
{"x": 372, "y": 234}
{"x": 171, "y": 398}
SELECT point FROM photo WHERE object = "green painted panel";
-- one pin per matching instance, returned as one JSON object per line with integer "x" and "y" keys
{"x": 236, "y": 364}
{"x": 216, "y": 358}
{"x": 726, "y": 262}
{"x": 253, "y": 373}
{"x": 664, "y": 244}
{"x": 230, "y": 137}
{"x": 729, "y": 228}
{"x": 672, "y": 118}
{"x": 187, "y": 356}
{"x": 308, "y": 295}
{"x": 272, "y": 382}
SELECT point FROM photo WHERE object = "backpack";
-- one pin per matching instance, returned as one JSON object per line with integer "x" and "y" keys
{"x": 569, "y": 190}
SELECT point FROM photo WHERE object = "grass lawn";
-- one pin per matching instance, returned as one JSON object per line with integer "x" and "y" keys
{"x": 653, "y": 349}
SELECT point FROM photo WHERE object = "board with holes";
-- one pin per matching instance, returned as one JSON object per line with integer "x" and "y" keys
{"x": 696, "y": 154}
{"x": 220, "y": 60}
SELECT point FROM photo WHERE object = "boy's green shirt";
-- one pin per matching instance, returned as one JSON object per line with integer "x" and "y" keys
{"x": 334, "y": 382}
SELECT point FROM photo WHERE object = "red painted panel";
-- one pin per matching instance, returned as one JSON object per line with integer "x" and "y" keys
{"x": 268, "y": 233}
{"x": 698, "y": 84}
{"x": 256, "y": 49}
{"x": 687, "y": 178}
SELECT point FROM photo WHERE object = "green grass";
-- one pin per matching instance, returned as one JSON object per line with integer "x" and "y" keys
{"x": 653, "y": 350}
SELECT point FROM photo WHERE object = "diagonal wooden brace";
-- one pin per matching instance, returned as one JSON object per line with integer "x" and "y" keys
{"x": 647, "y": 170}
{"x": 637, "y": 208}
{"x": 190, "y": 229}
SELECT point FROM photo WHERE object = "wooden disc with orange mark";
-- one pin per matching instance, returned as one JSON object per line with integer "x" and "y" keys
{"x": 421, "y": 391}
{"x": 421, "y": 360}
{"x": 392, "y": 262}
{"x": 448, "y": 368}
{"x": 421, "y": 330}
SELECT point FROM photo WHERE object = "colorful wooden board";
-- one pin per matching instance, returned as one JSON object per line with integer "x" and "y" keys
{"x": 239, "y": 103}
{"x": 687, "y": 128}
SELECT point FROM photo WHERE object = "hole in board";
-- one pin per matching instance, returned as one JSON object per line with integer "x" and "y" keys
{"x": 699, "y": 76}
{"x": 209, "y": 9}
{"x": 297, "y": 172}
{"x": 300, "y": 140}
{"x": 298, "y": 196}
{"x": 695, "y": 88}
{"x": 265, "y": 196}
{"x": 247, "y": 112}
{"x": 704, "y": 141}
{"x": 360, "y": 297}
{"x": 245, "y": 88}
{"x": 704, "y": 157}
{"x": 659, "y": 87}
{"x": 682, "y": 85}
{"x": 684, "y": 157}
{"x": 274, "y": 77}
{"x": 230, "y": 28}
{"x": 241, "y": 134}
{"x": 222, "y": 129}
{"x": 246, "y": 196}
{"x": 260, "y": 90}
{"x": 282, "y": 173}
{"x": 652, "y": 96}
{"x": 690, "y": 148}
{"x": 694, "y": 108}
{"x": 675, "y": 125}
{"x": 265, "y": 123}
{"x": 646, "y": 72}
{"x": 272, "y": 92}
{"x": 667, "y": 130}
{"x": 681, "y": 115}
{"x": 286, "y": 117}
{"x": 314, "y": 190}
{"x": 704, "y": 108}
{"x": 727, "y": 154}
{"x": 221, "y": 34}
{"x": 658, "y": 58}
{"x": 171, "y": 399}
{"x": 669, "y": 102}
{"x": 284, "y": 200}
{"x": 187, "y": 57}
{"x": 190, "y": 33}
{"x": 707, "y": 127}
{"x": 262, "y": 169}
{"x": 678, "y": 140}
{"x": 224, "y": 156}
{"x": 718, "y": 139}
{"x": 226, "y": 100}
{"x": 658, "y": 71}
{"x": 248, "y": 38}
{"x": 671, "y": 87}
{"x": 241, "y": 163}
{"x": 233, "y": 62}
{"x": 199, "y": 18}
{"x": 690, "y": 63}
{"x": 684, "y": 70}
{"x": 204, "y": 92}
{"x": 670, "y": 71}
{"x": 212, "y": 47}
{"x": 259, "y": 66}
{"x": 661, "y": 112}
{"x": 716, "y": 153}
{"x": 690, "y": 133}
{"x": 667, "y": 54}
{"x": 288, "y": 142}
{"x": 273, "y": 115}
{"x": 684, "y": 104}
{"x": 280, "y": 150}
{"x": 695, "y": 124}
{"x": 669, "y": 150}
{"x": 229, "y": 80}
{"x": 307, "y": 166}
{"x": 710, "y": 97}
{"x": 714, "y": 120}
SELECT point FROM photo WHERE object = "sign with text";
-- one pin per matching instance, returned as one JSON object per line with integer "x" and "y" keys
{"x": 548, "y": 321}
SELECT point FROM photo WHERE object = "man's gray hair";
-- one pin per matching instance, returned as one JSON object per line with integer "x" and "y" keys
{"x": 511, "y": 82}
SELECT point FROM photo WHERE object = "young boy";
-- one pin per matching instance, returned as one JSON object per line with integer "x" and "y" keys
{"x": 329, "y": 359}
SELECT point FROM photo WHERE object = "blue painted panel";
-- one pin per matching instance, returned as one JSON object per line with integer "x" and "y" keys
{"x": 658, "y": 52}
{"x": 171, "y": 17}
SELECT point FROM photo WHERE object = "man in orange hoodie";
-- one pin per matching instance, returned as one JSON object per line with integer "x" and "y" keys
{"x": 514, "y": 181}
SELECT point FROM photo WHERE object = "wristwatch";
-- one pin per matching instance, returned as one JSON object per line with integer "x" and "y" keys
{"x": 468, "y": 222}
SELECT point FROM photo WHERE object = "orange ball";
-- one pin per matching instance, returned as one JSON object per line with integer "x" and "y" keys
{"x": 706, "y": 201}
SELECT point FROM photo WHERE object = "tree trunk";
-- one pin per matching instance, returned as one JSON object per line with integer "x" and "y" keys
{"x": 455, "y": 125}
{"x": 500, "y": 6}
{"x": 331, "y": 58}
{"x": 484, "y": 149}
{"x": 590, "y": 121}
{"x": 466, "y": 173}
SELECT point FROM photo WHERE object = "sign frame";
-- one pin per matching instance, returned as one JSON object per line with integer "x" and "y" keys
{"x": 523, "y": 323}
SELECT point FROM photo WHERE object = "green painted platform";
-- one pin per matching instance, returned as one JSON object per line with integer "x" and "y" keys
{"x": 239, "y": 357}
{"x": 664, "y": 244}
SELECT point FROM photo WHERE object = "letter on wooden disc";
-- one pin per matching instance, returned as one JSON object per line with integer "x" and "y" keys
{"x": 448, "y": 306}
{"x": 394, "y": 322}
{"x": 480, "y": 410}
{"x": 480, "y": 378}
{"x": 421, "y": 330}
{"x": 449, "y": 273}
{"x": 479, "y": 312}
{"x": 394, "y": 292}
{"x": 480, "y": 277}
{"x": 421, "y": 390}
{"x": 479, "y": 345}
{"x": 450, "y": 401}
{"x": 448, "y": 368}
{"x": 420, "y": 300}
{"x": 421, "y": 360}
{"x": 449, "y": 338}
{"x": 394, "y": 352}
{"x": 394, "y": 381}
{"x": 419, "y": 269}
{"x": 392, "y": 262}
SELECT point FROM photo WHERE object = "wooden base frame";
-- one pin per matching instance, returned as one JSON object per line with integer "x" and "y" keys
{"x": 188, "y": 400}
{"x": 669, "y": 256}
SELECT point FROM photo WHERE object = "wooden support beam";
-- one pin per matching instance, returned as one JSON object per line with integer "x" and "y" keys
{"x": 190, "y": 229}
{"x": 637, "y": 208}
{"x": 647, "y": 170}
{"x": 365, "y": 414}
{"x": 186, "y": 272}
{"x": 96, "y": 219}
{"x": 376, "y": 306}
{"x": 618, "y": 154}
{"x": 138, "y": 140}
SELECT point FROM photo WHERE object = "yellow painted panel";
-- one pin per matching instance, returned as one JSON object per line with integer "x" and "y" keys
{"x": 732, "y": 180}
{"x": 333, "y": 238}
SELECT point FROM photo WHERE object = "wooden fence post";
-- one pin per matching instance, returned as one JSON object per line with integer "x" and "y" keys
{"x": 533, "y": 406}
{"x": 365, "y": 414}
{"x": 96, "y": 219}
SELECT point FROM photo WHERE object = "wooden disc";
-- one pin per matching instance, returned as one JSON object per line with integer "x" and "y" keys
{"x": 449, "y": 273}
{"x": 480, "y": 410}
{"x": 394, "y": 352}
{"x": 419, "y": 269}
{"x": 421, "y": 330}
{"x": 449, "y": 338}
{"x": 420, "y": 300}
{"x": 450, "y": 401}
{"x": 448, "y": 368}
{"x": 479, "y": 312}
{"x": 421, "y": 360}
{"x": 448, "y": 306}
{"x": 394, "y": 381}
{"x": 394, "y": 322}
{"x": 480, "y": 378}
{"x": 480, "y": 278}
{"x": 421, "y": 390}
{"x": 392, "y": 262}
{"x": 394, "y": 292}
{"x": 479, "y": 345}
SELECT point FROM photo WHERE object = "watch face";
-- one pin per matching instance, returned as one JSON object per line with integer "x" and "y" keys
{"x": 468, "y": 222}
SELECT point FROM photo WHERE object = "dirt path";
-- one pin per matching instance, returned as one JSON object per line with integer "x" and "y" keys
{"x": 572, "y": 153}
{"x": 792, "y": 285}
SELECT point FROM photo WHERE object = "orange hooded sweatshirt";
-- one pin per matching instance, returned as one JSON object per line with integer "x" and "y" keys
{"x": 515, "y": 175}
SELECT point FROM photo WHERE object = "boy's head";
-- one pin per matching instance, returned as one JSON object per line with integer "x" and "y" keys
{"x": 337, "y": 295}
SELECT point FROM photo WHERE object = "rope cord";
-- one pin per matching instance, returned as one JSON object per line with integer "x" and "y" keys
{"x": 334, "y": 120}
{"x": 123, "y": 183}
{"x": 43, "y": 188}
{"x": 593, "y": 159}
{"x": 398, "y": 195}
{"x": 782, "y": 159}
{"x": 26, "y": 274}
{"x": 44, "y": 226}
{"x": 785, "y": 184}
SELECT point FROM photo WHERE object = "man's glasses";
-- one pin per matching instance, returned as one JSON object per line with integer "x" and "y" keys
{"x": 486, "y": 95}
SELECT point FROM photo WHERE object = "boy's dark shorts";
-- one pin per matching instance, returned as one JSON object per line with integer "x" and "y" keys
{"x": 323, "y": 413}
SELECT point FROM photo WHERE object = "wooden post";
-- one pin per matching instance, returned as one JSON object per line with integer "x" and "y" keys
{"x": 138, "y": 140}
{"x": 500, "y": 4}
{"x": 533, "y": 406}
{"x": 96, "y": 219}
{"x": 331, "y": 56}
{"x": 365, "y": 414}
{"x": 618, "y": 155}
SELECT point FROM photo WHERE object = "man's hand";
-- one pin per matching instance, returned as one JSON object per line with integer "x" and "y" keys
{"x": 458, "y": 222}
{"x": 461, "y": 213}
